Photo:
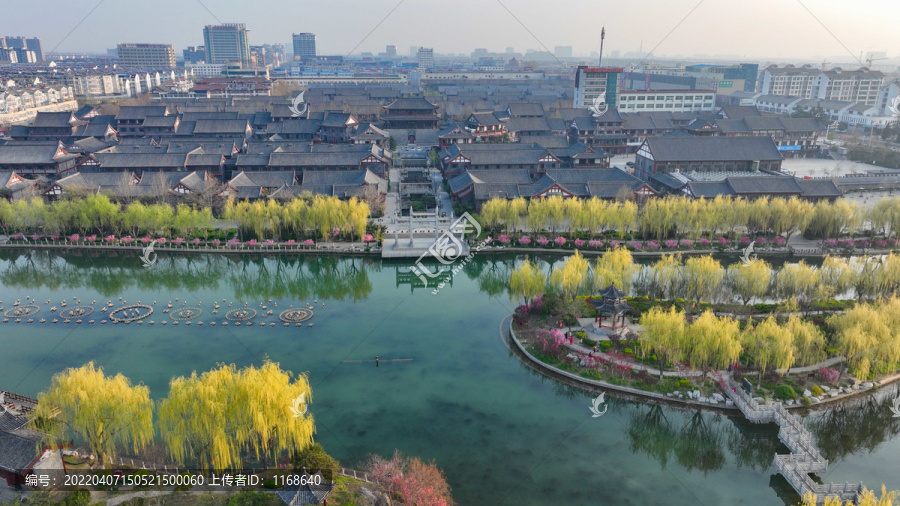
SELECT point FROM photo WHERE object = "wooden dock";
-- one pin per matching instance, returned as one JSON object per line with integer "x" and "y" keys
{"x": 804, "y": 457}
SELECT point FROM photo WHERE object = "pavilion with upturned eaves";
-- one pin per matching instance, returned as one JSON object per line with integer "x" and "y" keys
{"x": 611, "y": 303}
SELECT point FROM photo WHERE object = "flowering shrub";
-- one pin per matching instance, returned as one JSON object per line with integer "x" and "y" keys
{"x": 831, "y": 243}
{"x": 863, "y": 243}
{"x": 308, "y": 242}
{"x": 614, "y": 244}
{"x": 703, "y": 242}
{"x": 636, "y": 245}
{"x": 146, "y": 240}
{"x": 504, "y": 239}
{"x": 723, "y": 241}
{"x": 126, "y": 240}
{"x": 233, "y": 242}
{"x": 543, "y": 241}
{"x": 595, "y": 243}
{"x": 366, "y": 238}
{"x": 251, "y": 242}
{"x": 19, "y": 237}
{"x": 54, "y": 237}
{"x": 269, "y": 242}
{"x": 745, "y": 241}
{"x": 760, "y": 240}
{"x": 579, "y": 243}
{"x": 686, "y": 243}
{"x": 671, "y": 244}
{"x": 524, "y": 240}
{"x": 291, "y": 242}
{"x": 779, "y": 241}
{"x": 828, "y": 375}
{"x": 35, "y": 237}
{"x": 91, "y": 238}
{"x": 892, "y": 242}
{"x": 110, "y": 238}
{"x": 652, "y": 245}
{"x": 847, "y": 243}
{"x": 880, "y": 243}
{"x": 196, "y": 241}
{"x": 73, "y": 238}
{"x": 549, "y": 342}
{"x": 161, "y": 240}
{"x": 178, "y": 241}
{"x": 560, "y": 241}
{"x": 216, "y": 242}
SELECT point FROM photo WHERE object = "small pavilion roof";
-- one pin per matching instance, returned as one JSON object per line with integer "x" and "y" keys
{"x": 609, "y": 307}
{"x": 611, "y": 292}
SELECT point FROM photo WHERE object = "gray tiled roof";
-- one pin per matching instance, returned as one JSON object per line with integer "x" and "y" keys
{"x": 40, "y": 154}
{"x": 54, "y": 119}
{"x": 693, "y": 148}
{"x": 18, "y": 449}
{"x": 410, "y": 104}
{"x": 221, "y": 126}
{"x": 819, "y": 188}
{"x": 118, "y": 161}
{"x": 765, "y": 185}
{"x": 128, "y": 112}
{"x": 265, "y": 179}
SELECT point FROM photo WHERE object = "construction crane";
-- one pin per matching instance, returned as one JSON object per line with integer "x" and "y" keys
{"x": 869, "y": 61}
{"x": 824, "y": 62}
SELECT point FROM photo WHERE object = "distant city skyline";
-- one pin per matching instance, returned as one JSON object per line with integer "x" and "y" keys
{"x": 750, "y": 31}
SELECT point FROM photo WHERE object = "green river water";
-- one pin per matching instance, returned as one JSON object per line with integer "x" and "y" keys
{"x": 502, "y": 433}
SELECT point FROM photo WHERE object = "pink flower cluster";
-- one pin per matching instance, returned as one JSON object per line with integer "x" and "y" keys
{"x": 653, "y": 245}
{"x": 779, "y": 241}
{"x": 503, "y": 239}
{"x": 593, "y": 243}
{"x": 560, "y": 241}
{"x": 671, "y": 244}
{"x": 760, "y": 240}
{"x": 636, "y": 245}
{"x": 723, "y": 241}
{"x": 524, "y": 240}
{"x": 309, "y": 242}
{"x": 579, "y": 243}
{"x": 543, "y": 241}
{"x": 703, "y": 242}
{"x": 366, "y": 238}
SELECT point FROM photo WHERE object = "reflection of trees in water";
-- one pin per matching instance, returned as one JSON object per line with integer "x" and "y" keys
{"x": 861, "y": 425}
{"x": 252, "y": 277}
{"x": 302, "y": 277}
{"x": 491, "y": 272}
{"x": 697, "y": 444}
{"x": 753, "y": 445}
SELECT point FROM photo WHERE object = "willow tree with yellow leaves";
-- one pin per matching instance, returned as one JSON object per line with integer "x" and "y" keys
{"x": 769, "y": 343}
{"x": 798, "y": 280}
{"x": 665, "y": 335}
{"x": 703, "y": 277}
{"x": 570, "y": 276}
{"x": 714, "y": 342}
{"x": 749, "y": 281}
{"x": 527, "y": 281}
{"x": 809, "y": 341}
{"x": 268, "y": 396}
{"x": 216, "y": 416}
{"x": 866, "y": 498}
{"x": 869, "y": 336}
{"x": 666, "y": 276}
{"x": 106, "y": 412}
{"x": 614, "y": 267}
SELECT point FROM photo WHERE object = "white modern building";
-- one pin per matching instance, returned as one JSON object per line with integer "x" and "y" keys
{"x": 666, "y": 101}
{"x": 426, "y": 58}
{"x": 593, "y": 82}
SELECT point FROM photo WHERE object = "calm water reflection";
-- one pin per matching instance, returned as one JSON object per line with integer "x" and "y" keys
{"x": 503, "y": 433}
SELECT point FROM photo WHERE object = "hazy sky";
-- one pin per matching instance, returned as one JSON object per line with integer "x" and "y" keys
{"x": 756, "y": 28}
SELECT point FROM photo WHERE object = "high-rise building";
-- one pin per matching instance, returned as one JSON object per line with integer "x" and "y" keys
{"x": 227, "y": 43}
{"x": 147, "y": 55}
{"x": 413, "y": 50}
{"x": 23, "y": 46}
{"x": 592, "y": 82}
{"x": 563, "y": 51}
{"x": 426, "y": 57}
{"x": 390, "y": 51}
{"x": 510, "y": 50}
{"x": 304, "y": 46}
{"x": 194, "y": 54}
